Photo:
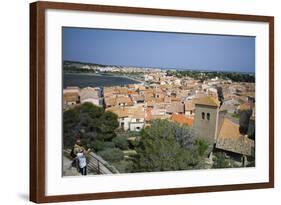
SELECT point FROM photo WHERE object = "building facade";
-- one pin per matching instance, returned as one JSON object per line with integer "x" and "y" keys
{"x": 206, "y": 118}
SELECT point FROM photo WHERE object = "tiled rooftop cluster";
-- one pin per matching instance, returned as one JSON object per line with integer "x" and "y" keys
{"x": 167, "y": 97}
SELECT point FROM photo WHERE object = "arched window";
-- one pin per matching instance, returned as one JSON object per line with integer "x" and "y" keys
{"x": 203, "y": 115}
{"x": 208, "y": 116}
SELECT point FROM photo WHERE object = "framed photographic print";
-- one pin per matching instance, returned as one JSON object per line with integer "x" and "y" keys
{"x": 129, "y": 102}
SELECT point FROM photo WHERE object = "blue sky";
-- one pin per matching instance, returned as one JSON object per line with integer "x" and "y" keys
{"x": 159, "y": 49}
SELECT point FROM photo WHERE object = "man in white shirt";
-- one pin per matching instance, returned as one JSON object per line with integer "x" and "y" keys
{"x": 81, "y": 156}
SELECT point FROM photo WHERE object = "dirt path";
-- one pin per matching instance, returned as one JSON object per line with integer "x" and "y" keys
{"x": 68, "y": 170}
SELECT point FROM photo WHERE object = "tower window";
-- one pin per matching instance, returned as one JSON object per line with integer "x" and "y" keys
{"x": 203, "y": 115}
{"x": 208, "y": 116}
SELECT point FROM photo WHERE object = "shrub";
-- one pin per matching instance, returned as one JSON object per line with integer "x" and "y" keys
{"x": 201, "y": 146}
{"x": 100, "y": 145}
{"x": 166, "y": 146}
{"x": 124, "y": 166}
{"x": 120, "y": 142}
{"x": 134, "y": 142}
{"x": 220, "y": 161}
{"x": 111, "y": 154}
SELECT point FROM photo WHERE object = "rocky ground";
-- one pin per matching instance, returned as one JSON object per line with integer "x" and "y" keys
{"x": 68, "y": 170}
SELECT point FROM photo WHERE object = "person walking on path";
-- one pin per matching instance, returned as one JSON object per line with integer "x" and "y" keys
{"x": 81, "y": 156}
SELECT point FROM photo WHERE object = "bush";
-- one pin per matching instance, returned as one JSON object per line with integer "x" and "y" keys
{"x": 120, "y": 142}
{"x": 201, "y": 146}
{"x": 220, "y": 161}
{"x": 124, "y": 166}
{"x": 165, "y": 146}
{"x": 100, "y": 145}
{"x": 111, "y": 154}
{"x": 133, "y": 143}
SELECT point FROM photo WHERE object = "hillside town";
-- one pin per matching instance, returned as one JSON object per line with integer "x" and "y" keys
{"x": 212, "y": 108}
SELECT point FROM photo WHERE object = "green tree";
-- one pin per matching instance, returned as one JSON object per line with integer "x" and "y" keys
{"x": 124, "y": 166}
{"x": 166, "y": 146}
{"x": 121, "y": 142}
{"x": 201, "y": 147}
{"x": 102, "y": 145}
{"x": 90, "y": 123}
{"x": 220, "y": 161}
{"x": 112, "y": 154}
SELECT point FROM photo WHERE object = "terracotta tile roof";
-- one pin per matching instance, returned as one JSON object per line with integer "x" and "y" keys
{"x": 159, "y": 100}
{"x": 207, "y": 100}
{"x": 158, "y": 91}
{"x": 175, "y": 99}
{"x": 246, "y": 106}
{"x": 131, "y": 86}
{"x": 161, "y": 117}
{"x": 109, "y": 91}
{"x": 159, "y": 105}
{"x": 119, "y": 111}
{"x": 176, "y": 107}
{"x": 137, "y": 113}
{"x": 141, "y": 88}
{"x": 148, "y": 97}
{"x": 230, "y": 139}
{"x": 229, "y": 129}
{"x": 124, "y": 100}
{"x": 71, "y": 94}
{"x": 181, "y": 119}
{"x": 133, "y": 112}
{"x": 150, "y": 104}
{"x": 110, "y": 101}
{"x": 71, "y": 97}
{"x": 88, "y": 92}
{"x": 149, "y": 91}
{"x": 122, "y": 90}
{"x": 132, "y": 92}
{"x": 167, "y": 99}
{"x": 138, "y": 97}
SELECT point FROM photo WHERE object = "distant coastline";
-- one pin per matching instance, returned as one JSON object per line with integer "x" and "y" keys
{"x": 162, "y": 69}
{"x": 137, "y": 74}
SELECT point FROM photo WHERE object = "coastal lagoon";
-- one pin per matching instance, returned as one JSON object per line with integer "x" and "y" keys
{"x": 94, "y": 80}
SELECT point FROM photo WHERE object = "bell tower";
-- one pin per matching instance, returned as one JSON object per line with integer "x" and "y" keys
{"x": 206, "y": 118}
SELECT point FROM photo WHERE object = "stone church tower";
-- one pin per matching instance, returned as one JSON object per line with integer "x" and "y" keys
{"x": 206, "y": 121}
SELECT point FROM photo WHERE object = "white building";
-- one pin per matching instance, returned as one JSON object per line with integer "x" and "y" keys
{"x": 129, "y": 118}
